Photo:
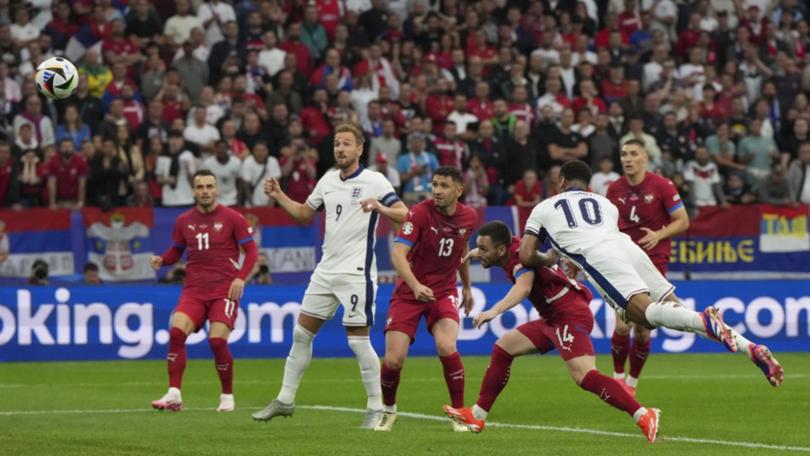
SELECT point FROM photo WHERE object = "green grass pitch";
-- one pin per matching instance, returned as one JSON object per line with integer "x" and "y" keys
{"x": 711, "y": 404}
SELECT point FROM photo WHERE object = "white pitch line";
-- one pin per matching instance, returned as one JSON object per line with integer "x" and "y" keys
{"x": 537, "y": 427}
{"x": 752, "y": 375}
{"x": 421, "y": 416}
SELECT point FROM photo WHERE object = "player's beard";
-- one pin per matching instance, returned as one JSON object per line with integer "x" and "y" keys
{"x": 346, "y": 163}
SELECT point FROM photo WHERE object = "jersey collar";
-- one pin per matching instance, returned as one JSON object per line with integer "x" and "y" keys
{"x": 353, "y": 175}
{"x": 574, "y": 189}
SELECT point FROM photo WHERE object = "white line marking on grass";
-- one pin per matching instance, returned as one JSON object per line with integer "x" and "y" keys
{"x": 421, "y": 416}
{"x": 537, "y": 427}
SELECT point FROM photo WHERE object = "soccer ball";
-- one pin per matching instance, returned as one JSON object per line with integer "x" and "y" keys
{"x": 57, "y": 78}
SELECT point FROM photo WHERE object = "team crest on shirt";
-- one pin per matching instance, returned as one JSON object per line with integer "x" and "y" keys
{"x": 357, "y": 192}
{"x": 407, "y": 228}
{"x": 649, "y": 198}
{"x": 462, "y": 231}
{"x": 217, "y": 226}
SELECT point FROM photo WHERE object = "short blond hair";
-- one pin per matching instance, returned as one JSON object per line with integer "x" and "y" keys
{"x": 348, "y": 127}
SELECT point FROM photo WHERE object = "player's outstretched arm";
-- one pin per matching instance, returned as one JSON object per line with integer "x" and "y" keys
{"x": 396, "y": 213}
{"x": 302, "y": 213}
{"x": 519, "y": 291}
{"x": 531, "y": 257}
{"x": 399, "y": 258}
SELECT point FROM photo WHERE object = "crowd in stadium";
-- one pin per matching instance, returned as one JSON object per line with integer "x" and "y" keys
{"x": 507, "y": 90}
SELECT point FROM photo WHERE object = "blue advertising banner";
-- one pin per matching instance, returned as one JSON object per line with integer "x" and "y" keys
{"x": 123, "y": 322}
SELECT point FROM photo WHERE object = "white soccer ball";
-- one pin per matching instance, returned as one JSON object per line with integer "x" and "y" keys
{"x": 57, "y": 78}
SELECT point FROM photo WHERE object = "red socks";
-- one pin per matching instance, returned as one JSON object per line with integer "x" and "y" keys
{"x": 454, "y": 376}
{"x": 619, "y": 348}
{"x": 495, "y": 378}
{"x": 389, "y": 381}
{"x": 224, "y": 363}
{"x": 176, "y": 359}
{"x": 610, "y": 391}
{"x": 638, "y": 356}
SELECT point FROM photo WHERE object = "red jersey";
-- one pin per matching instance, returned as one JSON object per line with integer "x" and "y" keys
{"x": 213, "y": 242}
{"x": 438, "y": 242}
{"x": 549, "y": 285}
{"x": 68, "y": 175}
{"x": 450, "y": 153}
{"x": 6, "y": 171}
{"x": 481, "y": 108}
{"x": 647, "y": 205}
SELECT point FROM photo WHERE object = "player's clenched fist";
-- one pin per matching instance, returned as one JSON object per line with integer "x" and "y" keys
{"x": 156, "y": 262}
{"x": 272, "y": 187}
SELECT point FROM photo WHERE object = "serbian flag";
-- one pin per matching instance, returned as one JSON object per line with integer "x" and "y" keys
{"x": 119, "y": 242}
{"x": 287, "y": 246}
{"x": 26, "y": 236}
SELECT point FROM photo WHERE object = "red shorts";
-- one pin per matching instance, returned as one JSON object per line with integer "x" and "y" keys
{"x": 198, "y": 310}
{"x": 570, "y": 336}
{"x": 404, "y": 314}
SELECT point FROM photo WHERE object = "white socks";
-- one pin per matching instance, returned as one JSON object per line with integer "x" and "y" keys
{"x": 631, "y": 381}
{"x": 743, "y": 344}
{"x": 297, "y": 362}
{"x": 369, "y": 369}
{"x": 668, "y": 315}
{"x": 639, "y": 413}
{"x": 479, "y": 413}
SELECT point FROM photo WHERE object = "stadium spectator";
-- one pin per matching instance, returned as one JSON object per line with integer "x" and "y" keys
{"x": 723, "y": 150}
{"x": 460, "y": 116}
{"x": 90, "y": 107}
{"x": 415, "y": 168}
{"x": 199, "y": 132}
{"x": 108, "y": 128}
{"x": 789, "y": 142}
{"x": 490, "y": 150}
{"x": 799, "y": 174}
{"x": 386, "y": 144}
{"x": 564, "y": 144}
{"x": 298, "y": 170}
{"x": 476, "y": 184}
{"x": 193, "y": 71}
{"x": 177, "y": 29}
{"x": 174, "y": 170}
{"x": 757, "y": 152}
{"x": 271, "y": 58}
{"x": 25, "y": 141}
{"x": 67, "y": 177}
{"x": 381, "y": 165}
{"x": 736, "y": 189}
{"x": 39, "y": 273}
{"x": 41, "y": 124}
{"x": 107, "y": 173}
{"x": 313, "y": 34}
{"x": 636, "y": 131}
{"x": 775, "y": 188}
{"x": 90, "y": 274}
{"x": 32, "y": 178}
{"x": 9, "y": 186}
{"x": 527, "y": 194}
{"x": 72, "y": 127}
{"x": 601, "y": 180}
{"x": 141, "y": 196}
{"x": 255, "y": 169}
{"x": 704, "y": 179}
{"x": 226, "y": 169}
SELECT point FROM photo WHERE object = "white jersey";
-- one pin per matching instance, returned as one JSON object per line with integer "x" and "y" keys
{"x": 584, "y": 227}
{"x": 350, "y": 234}
{"x": 575, "y": 220}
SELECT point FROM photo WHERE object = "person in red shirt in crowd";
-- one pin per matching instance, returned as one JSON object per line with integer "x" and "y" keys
{"x": 629, "y": 19}
{"x": 329, "y": 14}
{"x": 602, "y": 38}
{"x": 477, "y": 47}
{"x": 615, "y": 86}
{"x": 689, "y": 37}
{"x": 67, "y": 177}
{"x": 755, "y": 25}
{"x": 294, "y": 45}
{"x": 298, "y": 168}
{"x": 315, "y": 120}
{"x": 709, "y": 108}
{"x": 449, "y": 149}
{"x": 8, "y": 177}
{"x": 61, "y": 28}
{"x": 374, "y": 62}
{"x": 520, "y": 106}
{"x": 133, "y": 109}
{"x": 439, "y": 104}
{"x": 527, "y": 194}
{"x": 481, "y": 106}
{"x": 118, "y": 48}
{"x": 32, "y": 178}
{"x": 115, "y": 89}
{"x": 588, "y": 98}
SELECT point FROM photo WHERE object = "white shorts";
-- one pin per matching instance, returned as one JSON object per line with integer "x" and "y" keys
{"x": 326, "y": 292}
{"x": 619, "y": 269}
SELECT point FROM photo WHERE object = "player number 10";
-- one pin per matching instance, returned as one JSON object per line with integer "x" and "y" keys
{"x": 202, "y": 241}
{"x": 445, "y": 247}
